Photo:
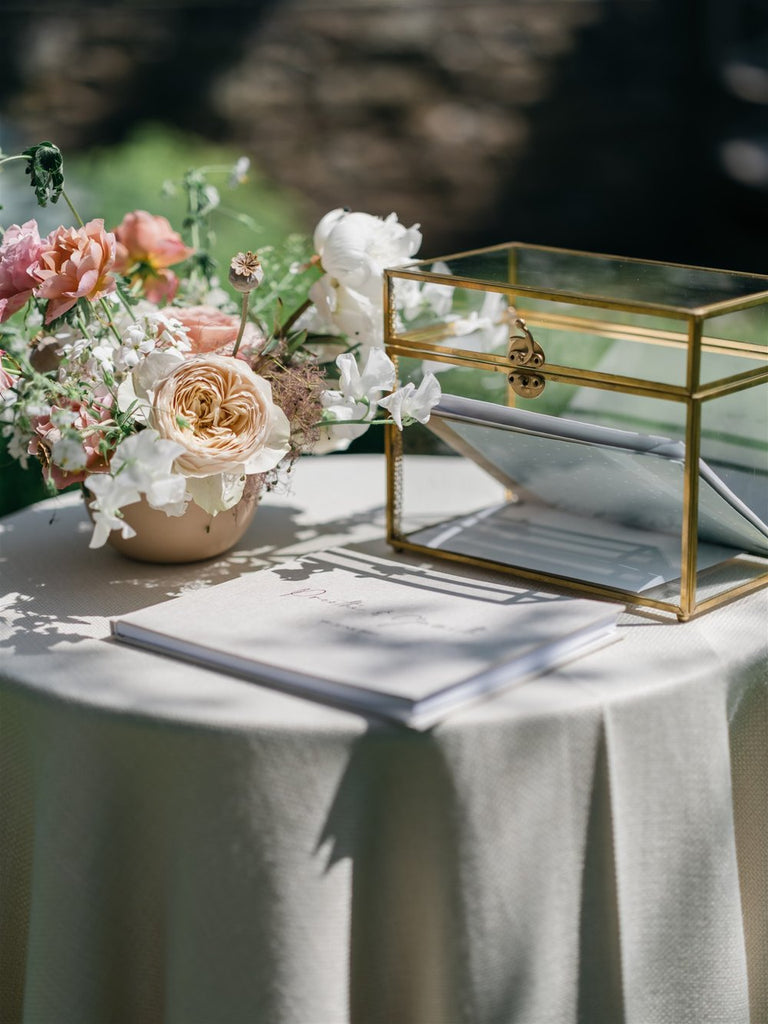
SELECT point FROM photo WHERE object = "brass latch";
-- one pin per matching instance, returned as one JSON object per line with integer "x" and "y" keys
{"x": 526, "y": 353}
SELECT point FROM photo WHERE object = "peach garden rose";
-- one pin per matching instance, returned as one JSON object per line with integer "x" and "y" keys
{"x": 75, "y": 263}
{"x": 223, "y": 415}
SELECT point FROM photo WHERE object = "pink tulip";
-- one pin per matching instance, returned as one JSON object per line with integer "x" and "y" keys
{"x": 75, "y": 263}
{"x": 18, "y": 256}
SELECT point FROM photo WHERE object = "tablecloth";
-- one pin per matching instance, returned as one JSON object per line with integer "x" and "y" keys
{"x": 183, "y": 847}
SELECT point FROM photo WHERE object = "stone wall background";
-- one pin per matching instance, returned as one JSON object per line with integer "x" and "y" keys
{"x": 595, "y": 124}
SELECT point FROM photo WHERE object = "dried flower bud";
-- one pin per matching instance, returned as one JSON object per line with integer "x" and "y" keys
{"x": 245, "y": 272}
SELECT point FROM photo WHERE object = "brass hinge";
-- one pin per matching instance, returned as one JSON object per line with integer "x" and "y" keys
{"x": 525, "y": 353}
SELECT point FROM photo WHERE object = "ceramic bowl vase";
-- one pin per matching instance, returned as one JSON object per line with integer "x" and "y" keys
{"x": 192, "y": 537}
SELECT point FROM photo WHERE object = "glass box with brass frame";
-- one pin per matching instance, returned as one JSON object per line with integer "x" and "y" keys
{"x": 614, "y": 411}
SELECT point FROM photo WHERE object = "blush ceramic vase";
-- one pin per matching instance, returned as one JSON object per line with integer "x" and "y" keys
{"x": 192, "y": 537}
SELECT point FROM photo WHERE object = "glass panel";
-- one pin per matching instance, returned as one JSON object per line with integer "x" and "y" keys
{"x": 606, "y": 277}
{"x": 734, "y": 344}
{"x": 734, "y": 452}
{"x": 609, "y": 342}
{"x": 734, "y": 443}
{"x": 431, "y": 494}
{"x": 579, "y": 499}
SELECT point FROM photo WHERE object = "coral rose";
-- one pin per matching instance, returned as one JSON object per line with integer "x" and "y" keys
{"x": 74, "y": 264}
{"x": 223, "y": 415}
{"x": 210, "y": 330}
{"x": 47, "y": 433}
{"x": 7, "y": 380}
{"x": 146, "y": 246}
{"x": 18, "y": 256}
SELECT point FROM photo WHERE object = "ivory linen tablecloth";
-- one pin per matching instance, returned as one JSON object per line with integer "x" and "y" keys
{"x": 182, "y": 847}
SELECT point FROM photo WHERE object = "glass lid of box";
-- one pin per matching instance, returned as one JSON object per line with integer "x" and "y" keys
{"x": 664, "y": 286}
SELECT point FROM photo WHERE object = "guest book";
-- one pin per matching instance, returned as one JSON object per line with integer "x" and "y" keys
{"x": 374, "y": 635}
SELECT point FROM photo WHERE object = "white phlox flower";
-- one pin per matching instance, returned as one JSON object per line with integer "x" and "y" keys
{"x": 62, "y": 418}
{"x": 17, "y": 442}
{"x": 69, "y": 454}
{"x": 153, "y": 331}
{"x": 411, "y": 404}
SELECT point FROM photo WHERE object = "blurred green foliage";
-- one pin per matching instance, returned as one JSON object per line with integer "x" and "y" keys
{"x": 110, "y": 182}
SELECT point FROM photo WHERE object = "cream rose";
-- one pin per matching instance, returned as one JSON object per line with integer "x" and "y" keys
{"x": 222, "y": 414}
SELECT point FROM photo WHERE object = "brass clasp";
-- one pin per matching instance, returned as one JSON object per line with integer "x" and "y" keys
{"x": 525, "y": 352}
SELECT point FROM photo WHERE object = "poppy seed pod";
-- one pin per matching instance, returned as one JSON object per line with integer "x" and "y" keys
{"x": 245, "y": 272}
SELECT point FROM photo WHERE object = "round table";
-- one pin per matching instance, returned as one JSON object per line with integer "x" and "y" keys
{"x": 184, "y": 847}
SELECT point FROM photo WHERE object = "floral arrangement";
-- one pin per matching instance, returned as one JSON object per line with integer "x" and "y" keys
{"x": 126, "y": 366}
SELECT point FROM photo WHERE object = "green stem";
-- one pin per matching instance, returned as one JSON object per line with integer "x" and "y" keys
{"x": 344, "y": 423}
{"x": 126, "y": 304}
{"x": 16, "y": 156}
{"x": 75, "y": 214}
{"x": 243, "y": 321}
{"x": 282, "y": 331}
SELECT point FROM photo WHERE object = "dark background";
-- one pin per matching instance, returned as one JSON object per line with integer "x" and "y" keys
{"x": 635, "y": 127}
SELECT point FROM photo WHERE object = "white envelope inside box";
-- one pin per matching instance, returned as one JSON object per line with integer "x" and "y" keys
{"x": 587, "y": 502}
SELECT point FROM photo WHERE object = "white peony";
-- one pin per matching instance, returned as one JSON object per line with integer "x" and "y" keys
{"x": 356, "y": 248}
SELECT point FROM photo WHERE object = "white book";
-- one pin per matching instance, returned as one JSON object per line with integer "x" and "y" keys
{"x": 369, "y": 634}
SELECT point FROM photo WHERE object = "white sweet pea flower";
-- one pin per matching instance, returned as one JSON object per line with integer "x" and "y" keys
{"x": 358, "y": 393}
{"x": 483, "y": 330}
{"x": 216, "y": 493}
{"x": 338, "y": 434}
{"x": 110, "y": 495}
{"x": 141, "y": 464}
{"x": 438, "y": 297}
{"x": 145, "y": 460}
{"x": 341, "y": 310}
{"x": 355, "y": 248}
{"x": 411, "y": 404}
{"x": 377, "y": 377}
{"x": 348, "y": 410}
{"x": 413, "y": 299}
